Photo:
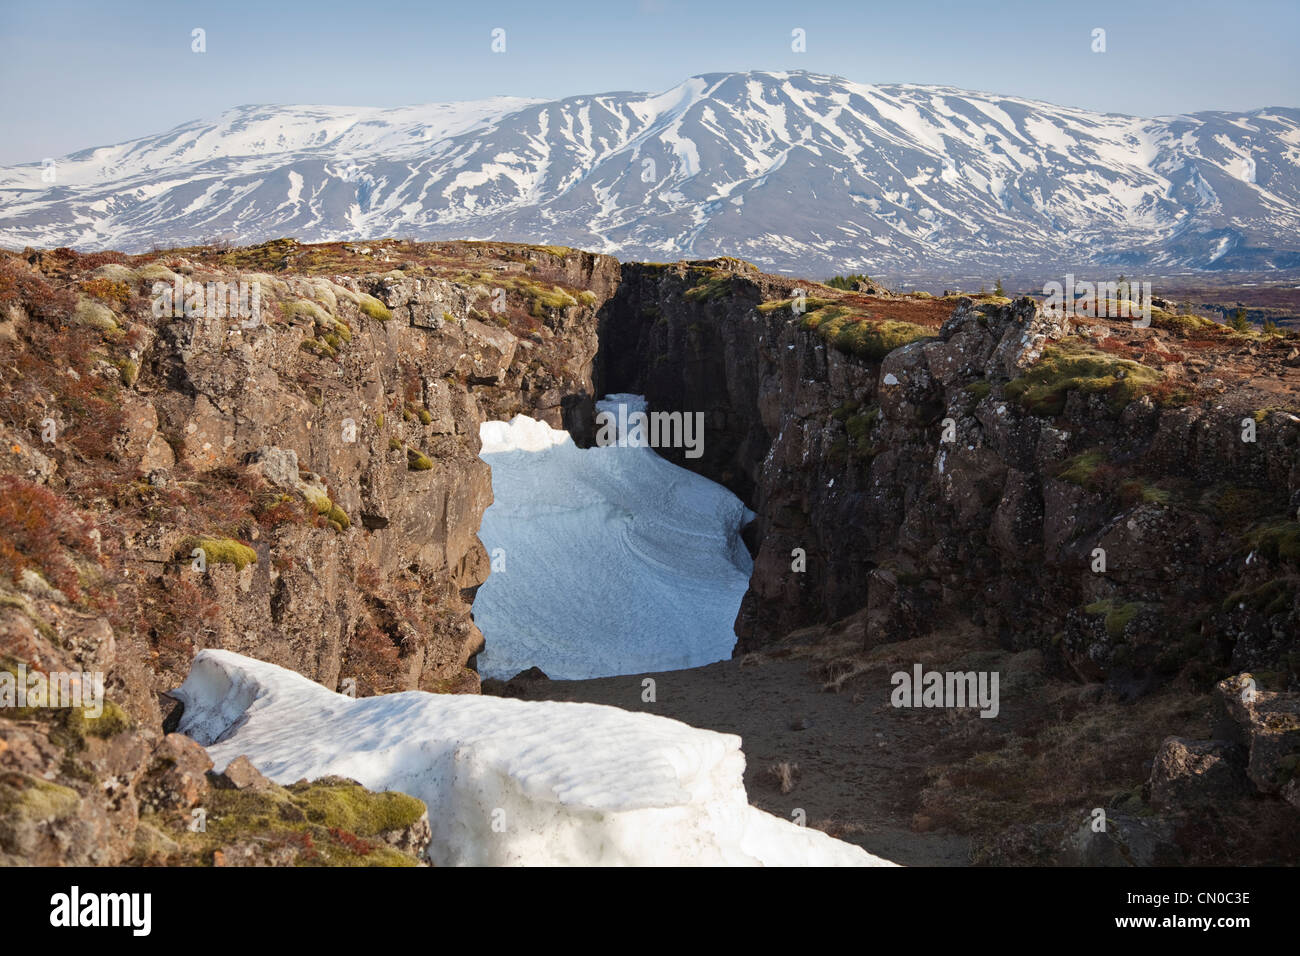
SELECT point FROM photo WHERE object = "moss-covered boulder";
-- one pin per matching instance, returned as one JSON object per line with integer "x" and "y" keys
{"x": 328, "y": 822}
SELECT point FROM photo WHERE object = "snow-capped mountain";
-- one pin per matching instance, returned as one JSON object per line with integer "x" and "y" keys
{"x": 794, "y": 171}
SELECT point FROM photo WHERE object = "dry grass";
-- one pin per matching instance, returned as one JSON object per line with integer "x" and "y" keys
{"x": 842, "y": 670}
{"x": 839, "y": 829}
{"x": 177, "y": 618}
{"x": 1065, "y": 756}
{"x": 1051, "y": 751}
{"x": 784, "y": 774}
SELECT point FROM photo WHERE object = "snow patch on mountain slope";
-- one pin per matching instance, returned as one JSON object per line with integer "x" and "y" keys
{"x": 262, "y": 131}
{"x": 606, "y": 560}
{"x": 507, "y": 781}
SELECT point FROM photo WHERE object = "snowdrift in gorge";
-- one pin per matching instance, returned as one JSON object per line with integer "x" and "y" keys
{"x": 565, "y": 783}
{"x": 616, "y": 561}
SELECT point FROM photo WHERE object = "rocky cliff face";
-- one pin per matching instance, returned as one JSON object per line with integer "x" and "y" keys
{"x": 1117, "y": 504}
{"x": 1121, "y": 497}
{"x": 302, "y": 486}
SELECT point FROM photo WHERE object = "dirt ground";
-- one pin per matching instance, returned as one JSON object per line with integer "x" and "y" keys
{"x": 918, "y": 786}
{"x": 860, "y": 762}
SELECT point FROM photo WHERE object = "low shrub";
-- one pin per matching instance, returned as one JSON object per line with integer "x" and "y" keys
{"x": 42, "y": 532}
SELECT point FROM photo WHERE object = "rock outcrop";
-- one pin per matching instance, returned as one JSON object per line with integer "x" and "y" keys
{"x": 1023, "y": 471}
{"x": 299, "y": 482}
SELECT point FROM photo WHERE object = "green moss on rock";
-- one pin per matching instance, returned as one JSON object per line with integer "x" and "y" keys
{"x": 155, "y": 272}
{"x": 112, "y": 720}
{"x": 712, "y": 284}
{"x": 1082, "y": 468}
{"x": 220, "y": 551}
{"x": 338, "y": 517}
{"x": 319, "y": 348}
{"x": 316, "y": 497}
{"x": 94, "y": 314}
{"x": 1277, "y": 540}
{"x": 860, "y": 424}
{"x": 1117, "y": 615}
{"x": 1073, "y": 366}
{"x": 1272, "y": 597}
{"x": 26, "y": 798}
{"x": 327, "y": 822}
{"x": 542, "y": 299}
{"x": 809, "y": 304}
{"x": 373, "y": 308}
{"x": 336, "y": 802}
{"x": 129, "y": 370}
{"x": 1186, "y": 324}
{"x": 306, "y": 309}
{"x": 860, "y": 334}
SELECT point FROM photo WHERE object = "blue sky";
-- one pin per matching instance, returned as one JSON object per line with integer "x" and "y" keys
{"x": 84, "y": 73}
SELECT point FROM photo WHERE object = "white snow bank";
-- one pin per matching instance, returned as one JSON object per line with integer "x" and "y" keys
{"x": 507, "y": 781}
{"x": 605, "y": 560}
{"x": 521, "y": 434}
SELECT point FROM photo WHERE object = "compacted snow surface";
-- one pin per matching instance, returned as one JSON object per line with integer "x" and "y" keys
{"x": 507, "y": 781}
{"x": 608, "y": 560}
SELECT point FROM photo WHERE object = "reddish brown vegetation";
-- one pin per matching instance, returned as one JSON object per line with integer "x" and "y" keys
{"x": 63, "y": 261}
{"x": 373, "y": 660}
{"x": 400, "y": 614}
{"x": 53, "y": 372}
{"x": 23, "y": 286}
{"x": 412, "y": 388}
{"x": 176, "y": 617}
{"x": 931, "y": 313}
{"x": 351, "y": 841}
{"x": 41, "y": 531}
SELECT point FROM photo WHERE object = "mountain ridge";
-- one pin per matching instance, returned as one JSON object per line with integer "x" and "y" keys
{"x": 796, "y": 171}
